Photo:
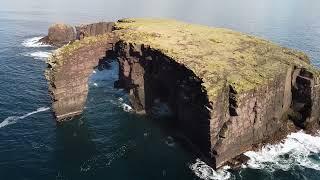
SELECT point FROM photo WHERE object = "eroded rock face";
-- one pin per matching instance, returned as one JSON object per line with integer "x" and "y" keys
{"x": 68, "y": 79}
{"x": 151, "y": 77}
{"x": 62, "y": 34}
{"x": 59, "y": 34}
{"x": 225, "y": 99}
{"x": 94, "y": 29}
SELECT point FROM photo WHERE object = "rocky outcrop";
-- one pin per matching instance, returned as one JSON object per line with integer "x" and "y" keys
{"x": 68, "y": 72}
{"x": 94, "y": 29}
{"x": 227, "y": 91}
{"x": 59, "y": 35}
{"x": 62, "y": 34}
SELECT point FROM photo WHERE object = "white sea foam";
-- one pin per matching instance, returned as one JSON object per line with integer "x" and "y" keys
{"x": 296, "y": 150}
{"x": 41, "y": 55}
{"x": 120, "y": 103}
{"x": 95, "y": 84}
{"x": 203, "y": 171}
{"x": 34, "y": 42}
{"x": 126, "y": 107}
{"x": 14, "y": 119}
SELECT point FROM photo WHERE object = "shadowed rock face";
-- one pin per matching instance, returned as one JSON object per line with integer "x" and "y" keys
{"x": 227, "y": 91}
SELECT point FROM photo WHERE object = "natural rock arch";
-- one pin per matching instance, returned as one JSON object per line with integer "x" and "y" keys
{"x": 227, "y": 98}
{"x": 147, "y": 75}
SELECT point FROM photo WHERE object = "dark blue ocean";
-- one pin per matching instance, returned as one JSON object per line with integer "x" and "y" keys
{"x": 110, "y": 142}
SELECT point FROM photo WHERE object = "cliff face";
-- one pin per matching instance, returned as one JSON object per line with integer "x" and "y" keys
{"x": 61, "y": 34}
{"x": 94, "y": 29}
{"x": 68, "y": 71}
{"x": 228, "y": 92}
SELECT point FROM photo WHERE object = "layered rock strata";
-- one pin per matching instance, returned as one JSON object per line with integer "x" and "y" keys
{"x": 93, "y": 29}
{"x": 227, "y": 91}
{"x": 62, "y": 34}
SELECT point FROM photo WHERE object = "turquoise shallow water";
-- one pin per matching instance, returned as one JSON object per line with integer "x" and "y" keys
{"x": 107, "y": 142}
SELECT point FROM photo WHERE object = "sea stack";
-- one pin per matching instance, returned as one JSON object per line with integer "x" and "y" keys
{"x": 228, "y": 92}
{"x": 59, "y": 34}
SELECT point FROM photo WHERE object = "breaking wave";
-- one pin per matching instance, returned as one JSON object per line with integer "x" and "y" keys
{"x": 126, "y": 107}
{"x": 203, "y": 171}
{"x": 34, "y": 42}
{"x": 298, "y": 149}
{"x": 41, "y": 55}
{"x": 14, "y": 119}
{"x": 120, "y": 103}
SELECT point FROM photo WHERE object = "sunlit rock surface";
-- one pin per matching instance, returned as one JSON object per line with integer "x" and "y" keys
{"x": 228, "y": 92}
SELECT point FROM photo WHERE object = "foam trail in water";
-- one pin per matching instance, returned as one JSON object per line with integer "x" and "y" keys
{"x": 34, "y": 42}
{"x": 13, "y": 119}
{"x": 296, "y": 150}
{"x": 203, "y": 171}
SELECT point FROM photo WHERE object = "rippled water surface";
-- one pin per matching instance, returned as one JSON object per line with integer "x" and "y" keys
{"x": 108, "y": 141}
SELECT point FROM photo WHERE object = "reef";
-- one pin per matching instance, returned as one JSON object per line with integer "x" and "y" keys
{"x": 228, "y": 92}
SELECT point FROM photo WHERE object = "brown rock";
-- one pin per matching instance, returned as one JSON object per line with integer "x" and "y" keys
{"x": 59, "y": 35}
{"x": 228, "y": 94}
{"x": 94, "y": 29}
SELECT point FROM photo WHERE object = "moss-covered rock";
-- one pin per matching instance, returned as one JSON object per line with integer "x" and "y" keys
{"x": 228, "y": 91}
{"x": 214, "y": 54}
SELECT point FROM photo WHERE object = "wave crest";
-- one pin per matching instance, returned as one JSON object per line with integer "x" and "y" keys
{"x": 297, "y": 149}
{"x": 34, "y": 42}
{"x": 203, "y": 171}
{"x": 40, "y": 55}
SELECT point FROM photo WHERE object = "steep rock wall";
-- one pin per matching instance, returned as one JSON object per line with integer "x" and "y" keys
{"x": 62, "y": 34}
{"x": 230, "y": 97}
{"x": 93, "y": 29}
{"x": 68, "y": 72}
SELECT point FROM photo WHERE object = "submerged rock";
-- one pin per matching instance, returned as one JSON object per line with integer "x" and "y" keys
{"x": 227, "y": 91}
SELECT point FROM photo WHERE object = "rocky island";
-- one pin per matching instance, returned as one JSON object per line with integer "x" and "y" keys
{"x": 228, "y": 92}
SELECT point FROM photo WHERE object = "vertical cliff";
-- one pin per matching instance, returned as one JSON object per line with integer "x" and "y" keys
{"x": 227, "y": 91}
{"x": 68, "y": 72}
{"x": 94, "y": 29}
